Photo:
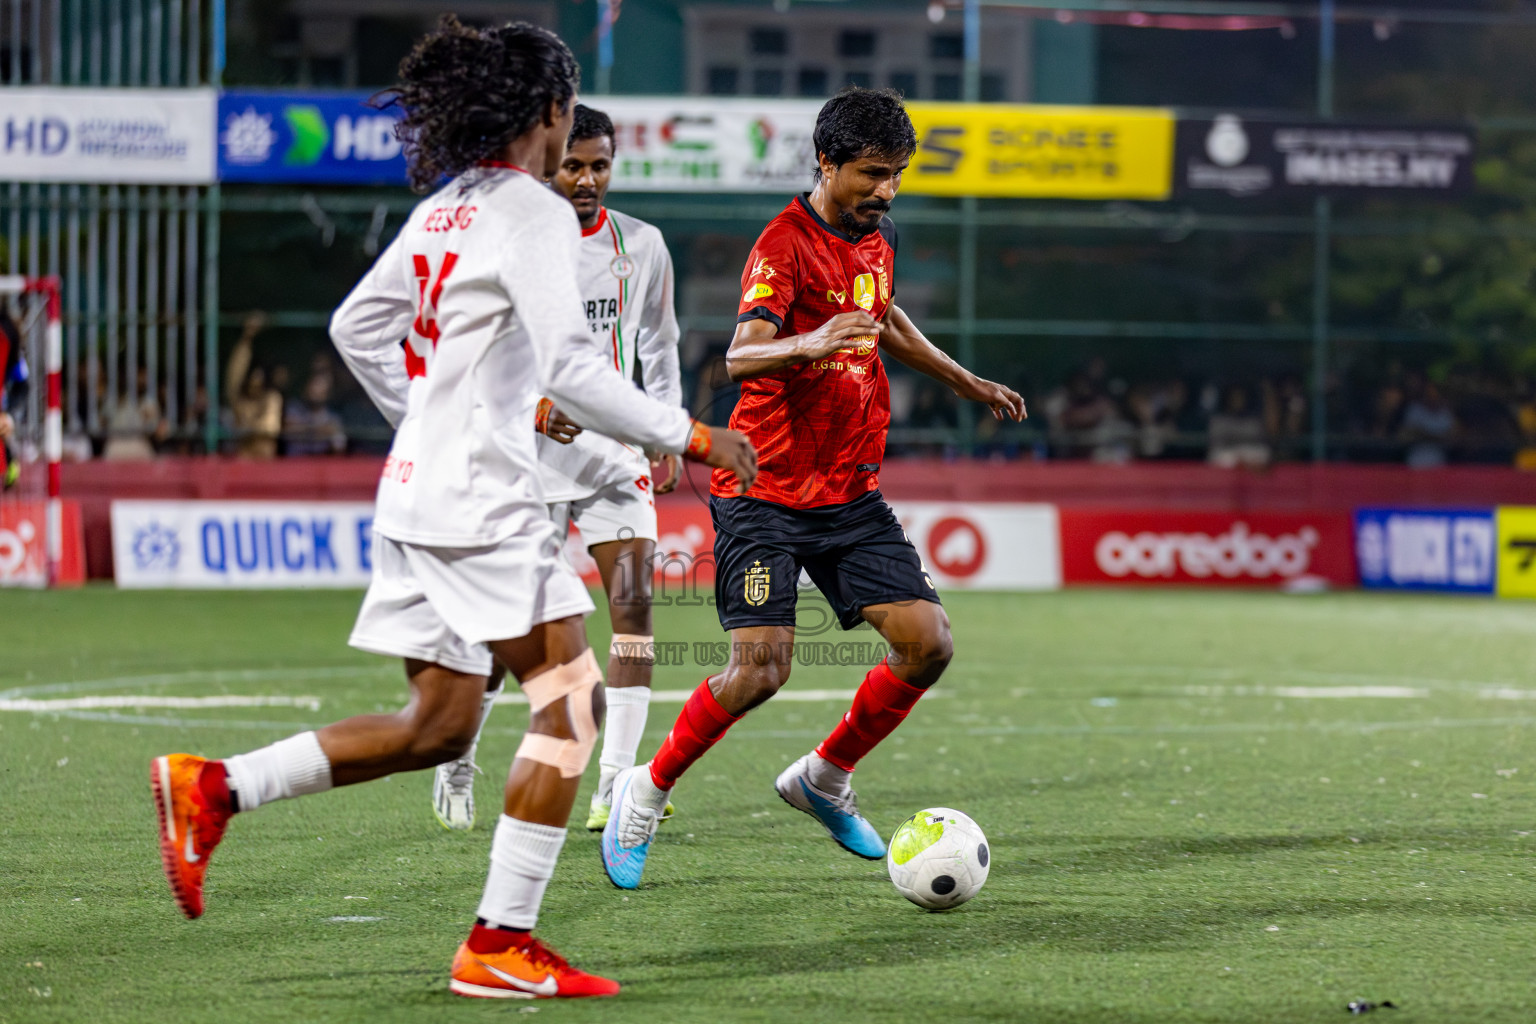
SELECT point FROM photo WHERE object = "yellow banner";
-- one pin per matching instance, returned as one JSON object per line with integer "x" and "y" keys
{"x": 975, "y": 149}
{"x": 1517, "y": 551}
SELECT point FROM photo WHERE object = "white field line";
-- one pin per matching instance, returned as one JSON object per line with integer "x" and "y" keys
{"x": 103, "y": 703}
{"x": 1305, "y": 692}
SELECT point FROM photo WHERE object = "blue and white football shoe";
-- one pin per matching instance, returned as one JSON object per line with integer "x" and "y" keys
{"x": 637, "y": 809}
{"x": 837, "y": 812}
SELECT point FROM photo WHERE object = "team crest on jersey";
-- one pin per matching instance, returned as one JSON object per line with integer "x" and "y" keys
{"x": 762, "y": 269}
{"x": 864, "y": 291}
{"x": 757, "y": 291}
{"x": 837, "y": 297}
{"x": 757, "y": 584}
{"x": 623, "y": 266}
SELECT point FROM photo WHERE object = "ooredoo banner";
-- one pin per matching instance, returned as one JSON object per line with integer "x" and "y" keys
{"x": 107, "y": 136}
{"x": 242, "y": 544}
{"x": 1217, "y": 548}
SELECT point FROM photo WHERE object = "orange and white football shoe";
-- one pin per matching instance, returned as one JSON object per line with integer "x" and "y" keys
{"x": 529, "y": 970}
{"x": 192, "y": 821}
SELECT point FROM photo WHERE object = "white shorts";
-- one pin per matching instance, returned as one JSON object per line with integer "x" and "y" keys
{"x": 620, "y": 511}
{"x": 443, "y": 605}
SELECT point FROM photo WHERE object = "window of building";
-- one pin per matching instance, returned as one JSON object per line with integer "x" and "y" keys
{"x": 946, "y": 86}
{"x": 862, "y": 79}
{"x": 722, "y": 81}
{"x": 946, "y": 46}
{"x": 905, "y": 82}
{"x": 813, "y": 82}
{"x": 856, "y": 43}
{"x": 768, "y": 42}
{"x": 767, "y": 82}
{"x": 994, "y": 88}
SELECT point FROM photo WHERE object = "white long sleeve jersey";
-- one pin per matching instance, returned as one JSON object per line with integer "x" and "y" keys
{"x": 481, "y": 285}
{"x": 626, "y": 298}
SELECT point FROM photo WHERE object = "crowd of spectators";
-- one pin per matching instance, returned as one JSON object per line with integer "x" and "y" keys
{"x": 1397, "y": 413}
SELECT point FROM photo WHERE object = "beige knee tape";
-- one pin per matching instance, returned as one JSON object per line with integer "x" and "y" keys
{"x": 572, "y": 682}
{"x": 632, "y": 648}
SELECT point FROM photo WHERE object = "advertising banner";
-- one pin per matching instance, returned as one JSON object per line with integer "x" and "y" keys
{"x": 1219, "y": 548}
{"x": 307, "y": 137}
{"x": 237, "y": 544}
{"x": 683, "y": 144}
{"x": 1041, "y": 151}
{"x": 23, "y": 545}
{"x": 1516, "y": 551}
{"x": 1426, "y": 549}
{"x": 1259, "y": 158}
{"x": 107, "y": 136}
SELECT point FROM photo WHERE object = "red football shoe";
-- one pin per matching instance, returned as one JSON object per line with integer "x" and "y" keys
{"x": 529, "y": 970}
{"x": 191, "y": 825}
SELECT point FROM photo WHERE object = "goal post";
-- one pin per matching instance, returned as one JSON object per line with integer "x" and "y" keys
{"x": 45, "y": 311}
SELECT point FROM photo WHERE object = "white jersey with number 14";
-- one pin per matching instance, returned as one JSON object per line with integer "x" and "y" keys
{"x": 481, "y": 282}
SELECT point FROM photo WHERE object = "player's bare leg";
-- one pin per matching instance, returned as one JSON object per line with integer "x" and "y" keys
{"x": 453, "y": 783}
{"x": 819, "y": 782}
{"x": 626, "y": 570}
{"x": 761, "y": 659}
{"x": 195, "y": 797}
{"x": 501, "y": 958}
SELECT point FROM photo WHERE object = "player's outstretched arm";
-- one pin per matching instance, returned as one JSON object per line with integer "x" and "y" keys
{"x": 908, "y": 345}
{"x": 369, "y": 325}
{"x": 755, "y": 351}
{"x": 539, "y": 273}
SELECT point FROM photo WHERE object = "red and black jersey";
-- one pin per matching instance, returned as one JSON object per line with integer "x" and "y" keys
{"x": 818, "y": 427}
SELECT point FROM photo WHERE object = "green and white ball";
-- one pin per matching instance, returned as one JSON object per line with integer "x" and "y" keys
{"x": 938, "y": 858}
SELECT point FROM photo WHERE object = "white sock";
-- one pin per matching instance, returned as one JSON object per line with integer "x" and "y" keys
{"x": 487, "y": 702}
{"x": 826, "y": 776}
{"x": 648, "y": 793}
{"x": 627, "y": 709}
{"x": 523, "y": 859}
{"x": 291, "y": 767}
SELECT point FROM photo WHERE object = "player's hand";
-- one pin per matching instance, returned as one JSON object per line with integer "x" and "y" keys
{"x": 1005, "y": 402}
{"x": 668, "y": 483}
{"x": 729, "y": 450}
{"x": 551, "y": 421}
{"x": 838, "y": 331}
{"x": 7, "y": 425}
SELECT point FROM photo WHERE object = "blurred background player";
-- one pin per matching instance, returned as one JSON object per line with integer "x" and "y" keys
{"x": 481, "y": 282}
{"x": 818, "y": 302}
{"x": 14, "y": 380}
{"x": 598, "y": 484}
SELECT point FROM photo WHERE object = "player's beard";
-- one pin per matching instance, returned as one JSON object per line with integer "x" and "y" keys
{"x": 854, "y": 226}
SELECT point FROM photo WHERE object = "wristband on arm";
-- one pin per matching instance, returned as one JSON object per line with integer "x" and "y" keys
{"x": 541, "y": 416}
{"x": 698, "y": 442}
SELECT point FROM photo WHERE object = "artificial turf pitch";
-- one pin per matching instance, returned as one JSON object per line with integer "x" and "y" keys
{"x": 1202, "y": 807}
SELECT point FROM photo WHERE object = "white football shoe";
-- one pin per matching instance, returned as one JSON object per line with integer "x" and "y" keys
{"x": 453, "y": 793}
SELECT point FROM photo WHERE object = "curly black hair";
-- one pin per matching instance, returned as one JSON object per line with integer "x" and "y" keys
{"x": 468, "y": 92}
{"x": 590, "y": 124}
{"x": 858, "y": 121}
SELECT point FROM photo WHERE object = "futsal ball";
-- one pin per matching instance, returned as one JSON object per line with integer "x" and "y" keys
{"x": 938, "y": 858}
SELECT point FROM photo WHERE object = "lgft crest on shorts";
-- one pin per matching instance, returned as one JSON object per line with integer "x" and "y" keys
{"x": 757, "y": 583}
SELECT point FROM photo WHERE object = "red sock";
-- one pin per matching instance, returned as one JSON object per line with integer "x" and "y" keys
{"x": 698, "y": 728}
{"x": 485, "y": 939}
{"x": 878, "y": 708}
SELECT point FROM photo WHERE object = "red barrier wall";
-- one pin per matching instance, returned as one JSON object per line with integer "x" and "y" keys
{"x": 1146, "y": 485}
